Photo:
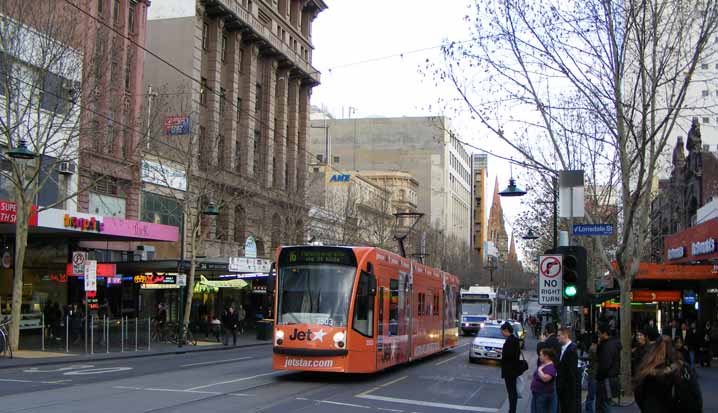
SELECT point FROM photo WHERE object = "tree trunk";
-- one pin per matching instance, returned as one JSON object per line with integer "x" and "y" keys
{"x": 625, "y": 333}
{"x": 21, "y": 228}
{"x": 190, "y": 283}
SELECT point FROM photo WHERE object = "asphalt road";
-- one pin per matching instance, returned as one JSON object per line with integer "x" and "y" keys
{"x": 242, "y": 381}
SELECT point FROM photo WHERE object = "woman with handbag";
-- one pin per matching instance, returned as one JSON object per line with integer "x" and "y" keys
{"x": 543, "y": 386}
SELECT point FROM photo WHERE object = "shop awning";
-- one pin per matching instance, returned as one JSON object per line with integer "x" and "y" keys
{"x": 205, "y": 286}
{"x": 671, "y": 272}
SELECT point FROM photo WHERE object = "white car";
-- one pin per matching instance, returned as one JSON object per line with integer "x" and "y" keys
{"x": 488, "y": 343}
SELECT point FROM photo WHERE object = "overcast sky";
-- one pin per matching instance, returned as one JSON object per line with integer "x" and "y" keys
{"x": 354, "y": 31}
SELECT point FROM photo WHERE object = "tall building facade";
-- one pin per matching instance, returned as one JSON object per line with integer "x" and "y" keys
{"x": 421, "y": 146}
{"x": 246, "y": 67}
{"x": 110, "y": 145}
{"x": 479, "y": 172}
{"x": 693, "y": 184}
{"x": 496, "y": 230}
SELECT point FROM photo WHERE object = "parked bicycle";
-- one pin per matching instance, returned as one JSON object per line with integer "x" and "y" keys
{"x": 5, "y": 349}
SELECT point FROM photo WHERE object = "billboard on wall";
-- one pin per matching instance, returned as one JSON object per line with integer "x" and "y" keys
{"x": 177, "y": 125}
{"x": 164, "y": 174}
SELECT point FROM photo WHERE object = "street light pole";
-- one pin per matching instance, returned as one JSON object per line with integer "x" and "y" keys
{"x": 180, "y": 268}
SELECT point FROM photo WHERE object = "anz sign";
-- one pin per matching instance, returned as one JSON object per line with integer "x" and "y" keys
{"x": 340, "y": 178}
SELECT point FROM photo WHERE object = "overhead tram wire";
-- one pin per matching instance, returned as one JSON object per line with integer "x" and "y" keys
{"x": 188, "y": 76}
{"x": 260, "y": 121}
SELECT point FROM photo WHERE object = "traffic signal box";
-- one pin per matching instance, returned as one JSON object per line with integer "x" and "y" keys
{"x": 575, "y": 275}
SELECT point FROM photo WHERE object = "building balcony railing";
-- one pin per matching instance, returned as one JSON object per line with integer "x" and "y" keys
{"x": 244, "y": 18}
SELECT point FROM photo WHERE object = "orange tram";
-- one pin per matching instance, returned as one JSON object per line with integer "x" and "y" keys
{"x": 359, "y": 309}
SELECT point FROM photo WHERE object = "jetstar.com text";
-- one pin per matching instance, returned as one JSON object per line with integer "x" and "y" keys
{"x": 290, "y": 362}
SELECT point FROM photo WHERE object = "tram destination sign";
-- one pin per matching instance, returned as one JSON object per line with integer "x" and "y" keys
{"x": 317, "y": 255}
{"x": 550, "y": 280}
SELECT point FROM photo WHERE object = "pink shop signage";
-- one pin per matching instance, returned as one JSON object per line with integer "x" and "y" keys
{"x": 139, "y": 229}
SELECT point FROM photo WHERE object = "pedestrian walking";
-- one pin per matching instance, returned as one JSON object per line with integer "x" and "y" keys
{"x": 693, "y": 342}
{"x": 510, "y": 364}
{"x": 591, "y": 375}
{"x": 705, "y": 347}
{"x": 639, "y": 350}
{"x": 608, "y": 369}
{"x": 550, "y": 340}
{"x": 665, "y": 383}
{"x": 713, "y": 340}
{"x": 216, "y": 326}
{"x": 568, "y": 383}
{"x": 651, "y": 330}
{"x": 241, "y": 315}
{"x": 673, "y": 330}
{"x": 543, "y": 384}
{"x": 230, "y": 322}
{"x": 681, "y": 350}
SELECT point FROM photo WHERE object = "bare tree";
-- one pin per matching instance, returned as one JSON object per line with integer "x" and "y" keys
{"x": 44, "y": 90}
{"x": 190, "y": 170}
{"x": 573, "y": 81}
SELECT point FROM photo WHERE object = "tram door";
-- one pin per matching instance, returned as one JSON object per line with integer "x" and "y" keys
{"x": 381, "y": 329}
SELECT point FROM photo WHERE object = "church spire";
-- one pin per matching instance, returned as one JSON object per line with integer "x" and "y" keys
{"x": 512, "y": 258}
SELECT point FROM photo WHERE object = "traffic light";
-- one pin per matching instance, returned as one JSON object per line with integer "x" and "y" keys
{"x": 575, "y": 273}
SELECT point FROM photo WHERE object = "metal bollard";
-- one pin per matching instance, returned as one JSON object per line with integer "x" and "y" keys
{"x": 149, "y": 333}
{"x": 85, "y": 325}
{"x": 92, "y": 334}
{"x": 42, "y": 321}
{"x": 67, "y": 334}
{"x": 107, "y": 335}
{"x": 136, "y": 331}
{"x": 122, "y": 334}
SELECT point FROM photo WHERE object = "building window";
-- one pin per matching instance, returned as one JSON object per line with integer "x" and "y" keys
{"x": 241, "y": 59}
{"x": 131, "y": 18}
{"x": 239, "y": 107}
{"x": 110, "y": 133}
{"x": 128, "y": 70}
{"x": 100, "y": 6}
{"x": 704, "y": 66}
{"x": 706, "y": 121}
{"x": 258, "y": 107}
{"x": 116, "y": 13}
{"x": 160, "y": 210}
{"x": 203, "y": 91}
{"x": 205, "y": 36}
{"x": 706, "y": 93}
{"x": 55, "y": 93}
{"x": 222, "y": 100}
{"x": 5, "y": 70}
{"x": 257, "y": 138}
{"x": 224, "y": 48}
{"x": 336, "y": 159}
{"x": 320, "y": 157}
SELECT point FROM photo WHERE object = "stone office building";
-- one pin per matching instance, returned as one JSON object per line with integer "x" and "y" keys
{"x": 247, "y": 67}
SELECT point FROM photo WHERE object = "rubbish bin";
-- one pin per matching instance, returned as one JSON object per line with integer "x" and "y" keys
{"x": 264, "y": 329}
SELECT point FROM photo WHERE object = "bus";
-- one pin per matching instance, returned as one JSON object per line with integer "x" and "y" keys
{"x": 481, "y": 304}
{"x": 359, "y": 309}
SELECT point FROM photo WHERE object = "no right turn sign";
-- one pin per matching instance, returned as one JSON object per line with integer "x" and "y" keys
{"x": 550, "y": 282}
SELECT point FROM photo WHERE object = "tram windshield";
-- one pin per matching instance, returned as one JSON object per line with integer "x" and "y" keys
{"x": 315, "y": 294}
{"x": 474, "y": 307}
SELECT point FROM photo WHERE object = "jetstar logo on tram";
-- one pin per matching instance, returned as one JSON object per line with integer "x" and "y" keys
{"x": 304, "y": 335}
{"x": 292, "y": 362}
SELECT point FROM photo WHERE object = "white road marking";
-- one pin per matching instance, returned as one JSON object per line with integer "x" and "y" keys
{"x": 102, "y": 370}
{"x": 451, "y": 358}
{"x": 38, "y": 382}
{"x": 389, "y": 410}
{"x": 393, "y": 382}
{"x": 179, "y": 391}
{"x": 75, "y": 367}
{"x": 429, "y": 404}
{"x": 234, "y": 381}
{"x": 215, "y": 362}
{"x": 336, "y": 403}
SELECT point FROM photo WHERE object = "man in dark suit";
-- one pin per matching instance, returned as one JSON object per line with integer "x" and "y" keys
{"x": 673, "y": 330}
{"x": 568, "y": 381}
{"x": 551, "y": 341}
{"x": 510, "y": 356}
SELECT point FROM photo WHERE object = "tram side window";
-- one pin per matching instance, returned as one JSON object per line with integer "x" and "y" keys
{"x": 394, "y": 307}
{"x": 436, "y": 305}
{"x": 363, "y": 321}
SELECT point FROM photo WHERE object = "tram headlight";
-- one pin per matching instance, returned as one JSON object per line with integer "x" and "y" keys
{"x": 279, "y": 337}
{"x": 339, "y": 339}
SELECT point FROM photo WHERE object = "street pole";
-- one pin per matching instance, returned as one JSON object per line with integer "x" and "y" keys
{"x": 180, "y": 267}
{"x": 555, "y": 212}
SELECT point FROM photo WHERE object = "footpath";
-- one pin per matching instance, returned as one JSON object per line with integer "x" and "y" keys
{"x": 58, "y": 354}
